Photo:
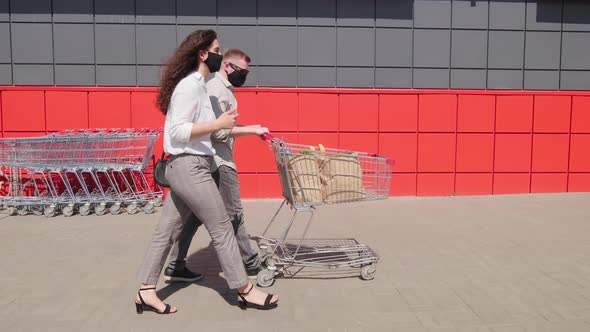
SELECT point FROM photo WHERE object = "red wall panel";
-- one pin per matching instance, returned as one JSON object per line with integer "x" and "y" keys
{"x": 580, "y": 153}
{"x": 579, "y": 182}
{"x": 318, "y": 112}
{"x": 512, "y": 183}
{"x": 359, "y": 142}
{"x": 514, "y": 114}
{"x": 66, "y": 110}
{"x": 473, "y": 184}
{"x": 278, "y": 111}
{"x": 403, "y": 184}
{"x": 110, "y": 109}
{"x": 441, "y": 184}
{"x": 476, "y": 114}
{"x": 144, "y": 112}
{"x": 512, "y": 153}
{"x": 359, "y": 112}
{"x": 475, "y": 152}
{"x": 548, "y": 182}
{"x": 23, "y": 111}
{"x": 552, "y": 114}
{"x": 398, "y": 113}
{"x": 581, "y": 115}
{"x": 550, "y": 152}
{"x": 402, "y": 148}
{"x": 437, "y": 113}
{"x": 436, "y": 152}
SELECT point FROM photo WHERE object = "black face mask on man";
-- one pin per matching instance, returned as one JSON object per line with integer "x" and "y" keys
{"x": 213, "y": 62}
{"x": 237, "y": 78}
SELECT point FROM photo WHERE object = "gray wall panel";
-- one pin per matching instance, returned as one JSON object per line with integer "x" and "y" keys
{"x": 575, "y": 50}
{"x": 470, "y": 14}
{"x": 505, "y": 79}
{"x": 31, "y": 43}
{"x": 33, "y": 74}
{"x": 355, "y": 13}
{"x": 242, "y": 37}
{"x": 252, "y": 79}
{"x": 393, "y": 77}
{"x": 4, "y": 13}
{"x": 543, "y": 15}
{"x": 277, "y": 45}
{"x": 576, "y": 15}
{"x": 356, "y": 47}
{"x": 313, "y": 12}
{"x": 431, "y": 78}
{"x": 317, "y": 76}
{"x": 432, "y": 13}
{"x": 317, "y": 46}
{"x": 394, "y": 13}
{"x": 155, "y": 43}
{"x": 5, "y": 42}
{"x": 542, "y": 50}
{"x": 506, "y": 49}
{"x": 114, "y": 11}
{"x": 196, "y": 11}
{"x": 507, "y": 14}
{"x": 115, "y": 44}
{"x": 277, "y": 76}
{"x": 236, "y": 11}
{"x": 469, "y": 49}
{"x": 468, "y": 79}
{"x": 75, "y": 75}
{"x": 71, "y": 11}
{"x": 30, "y": 10}
{"x": 541, "y": 80}
{"x": 356, "y": 77}
{"x": 272, "y": 12}
{"x": 155, "y": 11}
{"x": 148, "y": 75}
{"x": 5, "y": 74}
{"x": 394, "y": 47}
{"x": 116, "y": 75}
{"x": 575, "y": 80}
{"x": 73, "y": 43}
{"x": 431, "y": 48}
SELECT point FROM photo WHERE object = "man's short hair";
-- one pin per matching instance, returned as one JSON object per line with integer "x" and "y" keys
{"x": 236, "y": 53}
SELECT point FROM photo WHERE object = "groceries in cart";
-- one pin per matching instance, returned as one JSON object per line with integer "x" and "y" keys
{"x": 80, "y": 171}
{"x": 312, "y": 177}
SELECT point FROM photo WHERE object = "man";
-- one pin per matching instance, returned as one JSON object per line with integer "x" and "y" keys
{"x": 220, "y": 87}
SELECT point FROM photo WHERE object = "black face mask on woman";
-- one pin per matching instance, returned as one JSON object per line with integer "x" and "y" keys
{"x": 213, "y": 61}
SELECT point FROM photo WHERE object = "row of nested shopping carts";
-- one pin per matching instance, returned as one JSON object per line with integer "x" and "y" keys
{"x": 78, "y": 171}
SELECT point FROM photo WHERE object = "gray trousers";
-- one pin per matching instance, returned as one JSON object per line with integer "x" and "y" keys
{"x": 229, "y": 188}
{"x": 193, "y": 192}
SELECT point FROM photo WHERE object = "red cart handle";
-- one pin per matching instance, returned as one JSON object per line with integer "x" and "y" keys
{"x": 267, "y": 137}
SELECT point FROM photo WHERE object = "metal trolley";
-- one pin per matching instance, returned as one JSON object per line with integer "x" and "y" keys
{"x": 312, "y": 177}
{"x": 81, "y": 171}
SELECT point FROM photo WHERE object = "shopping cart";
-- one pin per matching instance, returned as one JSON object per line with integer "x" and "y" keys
{"x": 78, "y": 170}
{"x": 312, "y": 177}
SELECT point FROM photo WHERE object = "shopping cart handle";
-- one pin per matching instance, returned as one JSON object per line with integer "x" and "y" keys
{"x": 267, "y": 137}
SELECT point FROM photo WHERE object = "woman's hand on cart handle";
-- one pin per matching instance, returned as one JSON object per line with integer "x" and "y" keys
{"x": 267, "y": 136}
{"x": 260, "y": 131}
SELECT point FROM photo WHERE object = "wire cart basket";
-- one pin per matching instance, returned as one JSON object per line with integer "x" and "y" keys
{"x": 312, "y": 177}
{"x": 81, "y": 171}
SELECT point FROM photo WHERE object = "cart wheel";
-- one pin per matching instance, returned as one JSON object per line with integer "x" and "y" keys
{"x": 11, "y": 211}
{"x": 100, "y": 210}
{"x": 49, "y": 211}
{"x": 67, "y": 211}
{"x": 37, "y": 210}
{"x": 84, "y": 210}
{"x": 148, "y": 208}
{"x": 158, "y": 201}
{"x": 22, "y": 211}
{"x": 265, "y": 278}
{"x": 368, "y": 272}
{"x": 132, "y": 208}
{"x": 116, "y": 209}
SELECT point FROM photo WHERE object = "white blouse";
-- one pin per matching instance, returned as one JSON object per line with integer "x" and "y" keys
{"x": 189, "y": 104}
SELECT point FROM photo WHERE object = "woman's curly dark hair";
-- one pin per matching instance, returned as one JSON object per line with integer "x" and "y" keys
{"x": 184, "y": 61}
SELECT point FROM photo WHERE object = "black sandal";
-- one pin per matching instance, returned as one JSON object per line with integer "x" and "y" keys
{"x": 243, "y": 304}
{"x": 140, "y": 307}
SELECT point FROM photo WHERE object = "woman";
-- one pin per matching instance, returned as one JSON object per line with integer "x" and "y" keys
{"x": 190, "y": 120}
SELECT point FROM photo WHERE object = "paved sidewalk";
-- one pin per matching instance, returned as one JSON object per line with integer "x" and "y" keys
{"x": 486, "y": 264}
